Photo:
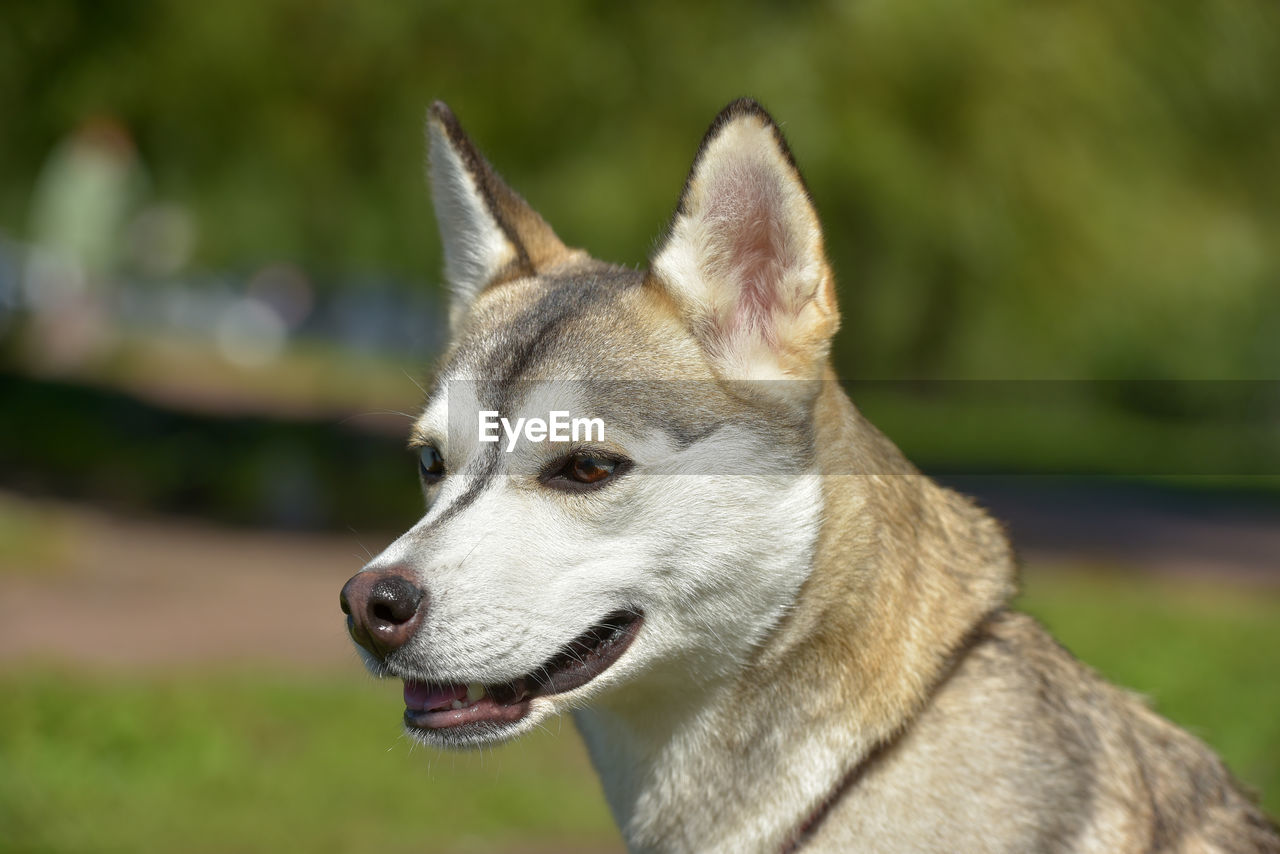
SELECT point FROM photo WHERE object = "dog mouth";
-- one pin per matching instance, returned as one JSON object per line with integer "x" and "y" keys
{"x": 437, "y": 706}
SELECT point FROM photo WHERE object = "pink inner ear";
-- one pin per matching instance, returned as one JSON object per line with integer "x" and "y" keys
{"x": 753, "y": 249}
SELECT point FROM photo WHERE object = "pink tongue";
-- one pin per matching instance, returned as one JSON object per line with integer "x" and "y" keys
{"x": 424, "y": 697}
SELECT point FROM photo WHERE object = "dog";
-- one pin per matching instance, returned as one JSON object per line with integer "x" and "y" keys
{"x": 773, "y": 633}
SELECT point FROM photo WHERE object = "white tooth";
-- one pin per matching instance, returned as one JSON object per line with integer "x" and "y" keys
{"x": 456, "y": 704}
{"x": 474, "y": 692}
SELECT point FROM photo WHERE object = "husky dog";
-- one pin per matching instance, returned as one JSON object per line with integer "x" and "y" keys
{"x": 773, "y": 633}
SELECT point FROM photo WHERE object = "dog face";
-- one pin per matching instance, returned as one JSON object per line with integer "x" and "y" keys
{"x": 644, "y": 561}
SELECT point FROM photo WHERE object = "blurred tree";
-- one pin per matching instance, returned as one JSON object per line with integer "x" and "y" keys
{"x": 1011, "y": 188}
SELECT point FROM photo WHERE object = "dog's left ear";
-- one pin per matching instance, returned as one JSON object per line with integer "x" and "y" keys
{"x": 744, "y": 261}
{"x": 491, "y": 235}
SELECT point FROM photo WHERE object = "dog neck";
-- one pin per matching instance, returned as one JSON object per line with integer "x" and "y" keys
{"x": 901, "y": 574}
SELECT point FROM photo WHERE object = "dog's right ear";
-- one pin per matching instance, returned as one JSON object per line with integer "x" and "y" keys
{"x": 490, "y": 233}
{"x": 744, "y": 261}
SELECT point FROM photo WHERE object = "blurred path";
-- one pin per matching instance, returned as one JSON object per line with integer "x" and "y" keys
{"x": 1233, "y": 536}
{"x": 85, "y": 585}
{"x": 105, "y": 589}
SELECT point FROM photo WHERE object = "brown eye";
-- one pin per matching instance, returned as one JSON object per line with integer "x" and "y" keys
{"x": 584, "y": 471}
{"x": 588, "y": 469}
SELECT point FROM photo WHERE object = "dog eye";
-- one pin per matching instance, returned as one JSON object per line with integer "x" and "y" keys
{"x": 584, "y": 471}
{"x": 431, "y": 464}
{"x": 588, "y": 469}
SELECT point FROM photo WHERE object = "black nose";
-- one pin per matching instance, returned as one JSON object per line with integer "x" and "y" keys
{"x": 383, "y": 608}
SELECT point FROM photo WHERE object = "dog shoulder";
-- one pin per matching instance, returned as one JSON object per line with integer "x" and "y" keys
{"x": 1024, "y": 748}
{"x": 1130, "y": 778}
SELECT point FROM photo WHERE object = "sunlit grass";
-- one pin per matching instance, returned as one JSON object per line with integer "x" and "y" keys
{"x": 308, "y": 379}
{"x": 234, "y": 761}
{"x": 237, "y": 761}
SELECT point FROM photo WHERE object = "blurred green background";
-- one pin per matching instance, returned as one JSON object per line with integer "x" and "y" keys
{"x": 219, "y": 284}
{"x": 1010, "y": 189}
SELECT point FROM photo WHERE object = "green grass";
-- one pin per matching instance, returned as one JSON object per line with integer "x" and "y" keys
{"x": 1204, "y": 654}
{"x": 236, "y": 761}
{"x": 217, "y": 762}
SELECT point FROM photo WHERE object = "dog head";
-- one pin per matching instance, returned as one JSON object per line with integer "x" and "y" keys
{"x": 642, "y": 562}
